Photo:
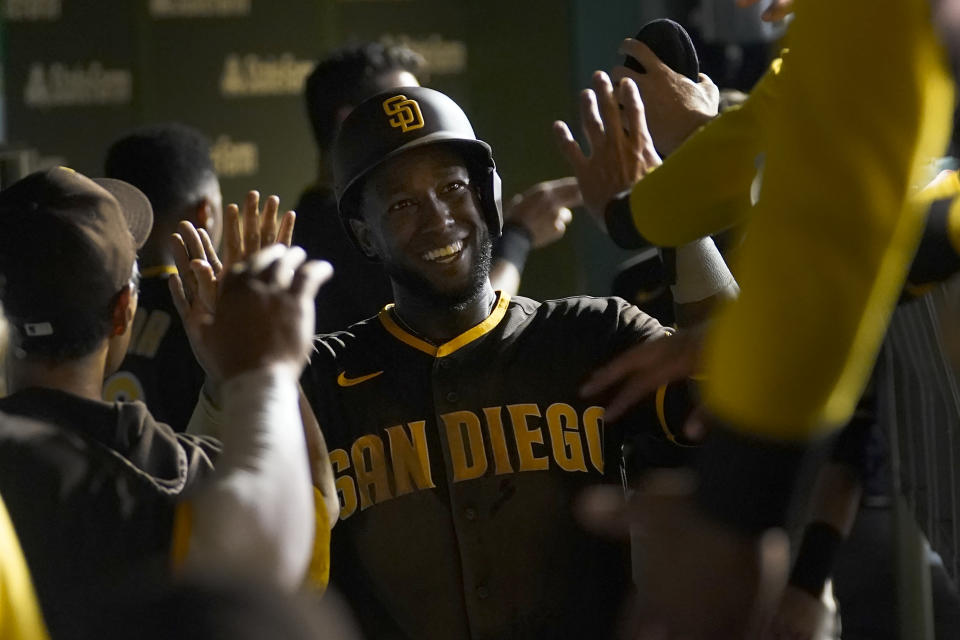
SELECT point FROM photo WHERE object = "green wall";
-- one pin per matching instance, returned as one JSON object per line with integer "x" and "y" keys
{"x": 80, "y": 73}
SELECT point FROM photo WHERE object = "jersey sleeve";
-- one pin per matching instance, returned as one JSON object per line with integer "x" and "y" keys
{"x": 704, "y": 186}
{"x": 20, "y": 617}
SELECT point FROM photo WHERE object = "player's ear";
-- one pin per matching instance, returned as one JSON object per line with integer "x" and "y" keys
{"x": 203, "y": 216}
{"x": 361, "y": 230}
{"x": 124, "y": 310}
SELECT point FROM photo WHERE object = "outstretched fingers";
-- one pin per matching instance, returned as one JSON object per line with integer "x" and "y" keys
{"x": 310, "y": 276}
{"x": 211, "y": 252}
{"x": 181, "y": 258}
{"x": 568, "y": 146}
{"x": 232, "y": 236}
{"x": 268, "y": 221}
{"x": 175, "y": 284}
{"x": 251, "y": 223}
{"x": 280, "y": 271}
{"x": 285, "y": 232}
{"x": 591, "y": 121}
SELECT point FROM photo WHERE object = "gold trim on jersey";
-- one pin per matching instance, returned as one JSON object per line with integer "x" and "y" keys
{"x": 465, "y": 338}
{"x": 661, "y": 402}
{"x": 180, "y": 536}
{"x": 159, "y": 270}
{"x": 318, "y": 572}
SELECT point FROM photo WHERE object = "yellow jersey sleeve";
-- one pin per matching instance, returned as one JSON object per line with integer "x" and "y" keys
{"x": 20, "y": 617}
{"x": 704, "y": 186}
{"x": 828, "y": 244}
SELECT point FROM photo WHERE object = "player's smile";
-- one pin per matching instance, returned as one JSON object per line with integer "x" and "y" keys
{"x": 445, "y": 255}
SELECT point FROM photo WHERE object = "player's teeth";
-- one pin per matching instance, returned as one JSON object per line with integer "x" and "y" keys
{"x": 443, "y": 252}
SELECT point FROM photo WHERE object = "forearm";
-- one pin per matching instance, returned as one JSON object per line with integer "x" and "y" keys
{"x": 256, "y": 514}
{"x": 835, "y": 503}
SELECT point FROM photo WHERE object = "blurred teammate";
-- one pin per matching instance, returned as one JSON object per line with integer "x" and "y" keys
{"x": 171, "y": 165}
{"x": 770, "y": 392}
{"x": 97, "y": 490}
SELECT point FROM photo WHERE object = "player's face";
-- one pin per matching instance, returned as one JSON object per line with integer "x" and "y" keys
{"x": 422, "y": 218}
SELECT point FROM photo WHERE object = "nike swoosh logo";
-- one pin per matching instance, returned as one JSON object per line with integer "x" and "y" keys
{"x": 344, "y": 381}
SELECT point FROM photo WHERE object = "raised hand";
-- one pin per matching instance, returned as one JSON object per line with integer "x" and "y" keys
{"x": 195, "y": 290}
{"x": 544, "y": 209}
{"x": 621, "y": 150}
{"x": 248, "y": 231}
{"x": 264, "y": 316}
{"x": 674, "y": 105}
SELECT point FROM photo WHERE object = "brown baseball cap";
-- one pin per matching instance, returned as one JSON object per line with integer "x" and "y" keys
{"x": 68, "y": 246}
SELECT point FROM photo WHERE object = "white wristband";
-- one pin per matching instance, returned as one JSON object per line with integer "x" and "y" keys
{"x": 701, "y": 272}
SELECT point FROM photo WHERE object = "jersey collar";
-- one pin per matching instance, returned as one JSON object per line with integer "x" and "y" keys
{"x": 465, "y": 338}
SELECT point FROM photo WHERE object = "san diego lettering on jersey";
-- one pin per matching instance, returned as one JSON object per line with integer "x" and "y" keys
{"x": 381, "y": 466}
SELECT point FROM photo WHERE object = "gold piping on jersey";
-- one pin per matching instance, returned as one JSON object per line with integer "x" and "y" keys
{"x": 661, "y": 399}
{"x": 159, "y": 270}
{"x": 318, "y": 573}
{"x": 465, "y": 338}
{"x": 180, "y": 538}
{"x": 662, "y": 414}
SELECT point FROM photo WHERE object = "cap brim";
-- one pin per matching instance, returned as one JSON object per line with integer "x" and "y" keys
{"x": 134, "y": 205}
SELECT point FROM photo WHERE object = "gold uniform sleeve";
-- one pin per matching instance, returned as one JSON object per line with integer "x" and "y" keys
{"x": 20, "y": 617}
{"x": 704, "y": 186}
{"x": 828, "y": 245}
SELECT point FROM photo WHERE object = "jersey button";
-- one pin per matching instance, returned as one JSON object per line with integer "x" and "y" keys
{"x": 470, "y": 513}
{"x": 482, "y": 592}
{"x": 445, "y": 364}
{"x": 452, "y": 396}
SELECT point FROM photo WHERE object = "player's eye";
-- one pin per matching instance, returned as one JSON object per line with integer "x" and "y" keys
{"x": 453, "y": 186}
{"x": 401, "y": 205}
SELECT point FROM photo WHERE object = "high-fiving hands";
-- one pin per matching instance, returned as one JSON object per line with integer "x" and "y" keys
{"x": 675, "y": 106}
{"x": 621, "y": 149}
{"x": 203, "y": 279}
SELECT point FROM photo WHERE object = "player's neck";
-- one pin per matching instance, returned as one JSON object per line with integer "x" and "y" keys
{"x": 439, "y": 323}
{"x": 81, "y": 376}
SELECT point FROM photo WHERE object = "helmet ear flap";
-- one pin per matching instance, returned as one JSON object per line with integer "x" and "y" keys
{"x": 493, "y": 206}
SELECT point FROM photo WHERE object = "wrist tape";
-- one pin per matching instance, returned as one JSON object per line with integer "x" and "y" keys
{"x": 700, "y": 272}
{"x": 513, "y": 245}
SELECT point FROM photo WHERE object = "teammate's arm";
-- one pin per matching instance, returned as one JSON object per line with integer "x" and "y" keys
{"x": 198, "y": 262}
{"x": 533, "y": 219}
{"x": 257, "y": 338}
